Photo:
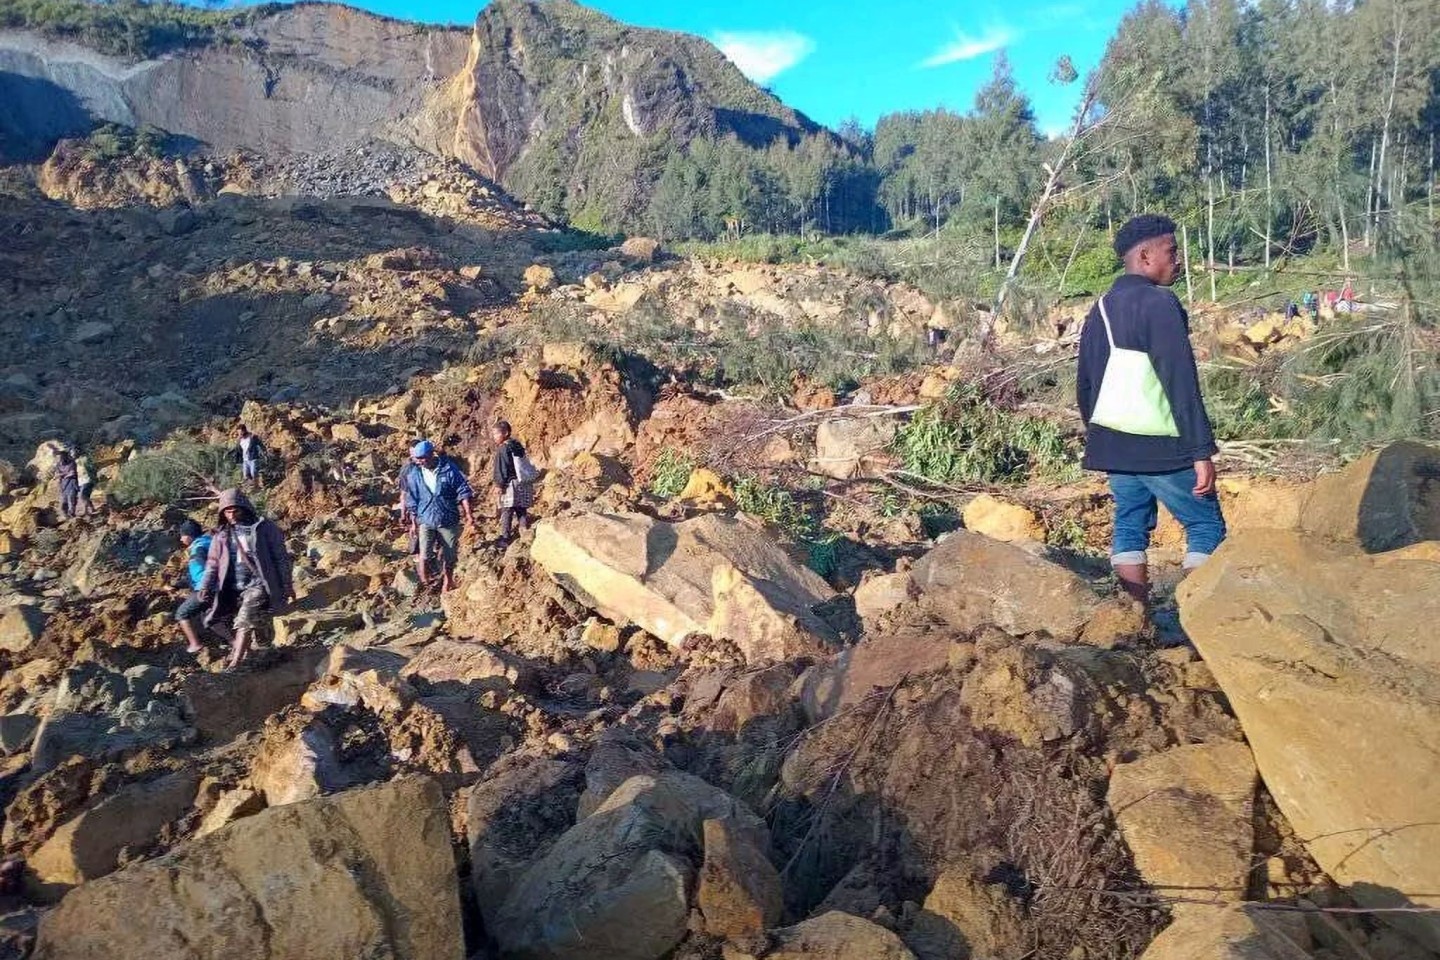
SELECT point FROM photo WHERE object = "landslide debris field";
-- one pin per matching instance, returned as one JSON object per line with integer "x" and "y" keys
{"x": 811, "y": 654}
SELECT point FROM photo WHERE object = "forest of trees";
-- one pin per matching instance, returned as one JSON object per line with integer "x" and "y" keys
{"x": 1271, "y": 126}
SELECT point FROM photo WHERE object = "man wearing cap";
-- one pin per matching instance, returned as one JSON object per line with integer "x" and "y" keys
{"x": 1149, "y": 430}
{"x": 197, "y": 548}
{"x": 437, "y": 494}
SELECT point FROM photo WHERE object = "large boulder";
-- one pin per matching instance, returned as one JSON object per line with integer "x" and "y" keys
{"x": 966, "y": 917}
{"x": 90, "y": 844}
{"x": 513, "y": 817}
{"x": 103, "y": 713}
{"x": 1241, "y": 932}
{"x": 1329, "y": 660}
{"x": 1187, "y": 814}
{"x": 711, "y": 575}
{"x": 1388, "y": 499}
{"x": 739, "y": 891}
{"x": 970, "y": 580}
{"x": 21, "y": 627}
{"x": 368, "y": 873}
{"x": 616, "y": 885}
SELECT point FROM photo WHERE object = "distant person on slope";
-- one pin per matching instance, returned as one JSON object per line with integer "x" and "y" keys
{"x": 248, "y": 452}
{"x": 513, "y": 477}
{"x": 1139, "y": 394}
{"x": 436, "y": 492}
{"x": 85, "y": 478}
{"x": 247, "y": 575}
{"x": 67, "y": 476}
{"x": 197, "y": 550}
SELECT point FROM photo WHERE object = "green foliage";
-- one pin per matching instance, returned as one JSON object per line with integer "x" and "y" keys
{"x": 967, "y": 439}
{"x": 778, "y": 507}
{"x": 129, "y": 28}
{"x": 174, "y": 473}
{"x": 670, "y": 474}
{"x": 112, "y": 141}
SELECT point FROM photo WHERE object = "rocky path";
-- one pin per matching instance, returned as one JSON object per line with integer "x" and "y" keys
{"x": 646, "y": 730}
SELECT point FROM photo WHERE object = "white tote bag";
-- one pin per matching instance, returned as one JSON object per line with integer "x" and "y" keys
{"x": 1132, "y": 398}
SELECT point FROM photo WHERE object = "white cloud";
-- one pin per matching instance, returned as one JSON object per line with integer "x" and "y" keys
{"x": 966, "y": 47}
{"x": 764, "y": 55}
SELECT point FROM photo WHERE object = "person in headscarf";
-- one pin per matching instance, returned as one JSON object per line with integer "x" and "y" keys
{"x": 248, "y": 575}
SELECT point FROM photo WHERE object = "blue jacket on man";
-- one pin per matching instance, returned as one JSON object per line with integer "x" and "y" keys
{"x": 442, "y": 507}
{"x": 1144, "y": 316}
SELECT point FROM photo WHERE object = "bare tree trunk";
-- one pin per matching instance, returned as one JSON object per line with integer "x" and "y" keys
{"x": 1210, "y": 233}
{"x": 1399, "y": 38}
{"x": 1370, "y": 198}
{"x": 997, "y": 231}
{"x": 1185, "y": 252}
{"x": 1431, "y": 192}
{"x": 1074, "y": 250}
{"x": 1081, "y": 126}
{"x": 1344, "y": 229}
{"x": 1269, "y": 196}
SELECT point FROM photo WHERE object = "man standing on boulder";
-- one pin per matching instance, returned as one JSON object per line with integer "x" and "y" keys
{"x": 1139, "y": 394}
{"x": 437, "y": 494}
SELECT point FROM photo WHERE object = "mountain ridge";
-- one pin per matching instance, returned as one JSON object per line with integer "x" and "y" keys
{"x": 570, "y": 109}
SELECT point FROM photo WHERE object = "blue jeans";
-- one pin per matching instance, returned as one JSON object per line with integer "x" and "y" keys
{"x": 1136, "y": 495}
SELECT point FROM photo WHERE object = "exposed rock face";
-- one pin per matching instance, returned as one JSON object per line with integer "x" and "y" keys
{"x": 520, "y": 96}
{"x": 709, "y": 575}
{"x": 970, "y": 580}
{"x": 1328, "y": 657}
{"x": 367, "y": 873}
{"x": 1187, "y": 815}
{"x": 306, "y": 78}
{"x": 89, "y": 845}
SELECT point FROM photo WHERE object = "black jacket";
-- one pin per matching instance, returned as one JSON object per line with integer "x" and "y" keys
{"x": 1144, "y": 316}
{"x": 502, "y": 468}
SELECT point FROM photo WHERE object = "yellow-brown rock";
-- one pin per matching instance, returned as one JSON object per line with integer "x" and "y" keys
{"x": 1187, "y": 816}
{"x": 1328, "y": 657}
{"x": 367, "y": 873}
{"x": 1000, "y": 520}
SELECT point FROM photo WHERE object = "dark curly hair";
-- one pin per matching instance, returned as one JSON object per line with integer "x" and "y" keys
{"x": 1139, "y": 229}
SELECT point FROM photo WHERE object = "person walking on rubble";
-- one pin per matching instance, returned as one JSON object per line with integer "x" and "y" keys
{"x": 85, "y": 480}
{"x": 513, "y": 476}
{"x": 197, "y": 550}
{"x": 67, "y": 476}
{"x": 435, "y": 492}
{"x": 248, "y": 452}
{"x": 247, "y": 578}
{"x": 1139, "y": 394}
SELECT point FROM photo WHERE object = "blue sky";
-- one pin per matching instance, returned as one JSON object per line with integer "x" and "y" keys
{"x": 834, "y": 59}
